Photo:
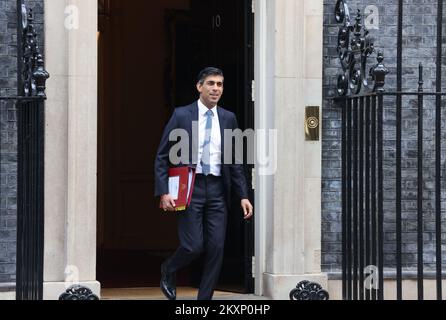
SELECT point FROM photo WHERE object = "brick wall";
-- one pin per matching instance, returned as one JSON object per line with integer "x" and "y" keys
{"x": 419, "y": 45}
{"x": 8, "y": 132}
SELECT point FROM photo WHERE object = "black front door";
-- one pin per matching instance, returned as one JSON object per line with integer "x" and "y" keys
{"x": 220, "y": 33}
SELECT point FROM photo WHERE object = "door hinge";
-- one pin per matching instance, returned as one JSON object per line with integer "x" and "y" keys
{"x": 253, "y": 263}
{"x": 253, "y": 6}
{"x": 253, "y": 179}
{"x": 253, "y": 91}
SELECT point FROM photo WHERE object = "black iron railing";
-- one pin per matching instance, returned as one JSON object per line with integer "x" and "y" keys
{"x": 372, "y": 152}
{"x": 30, "y": 214}
{"x": 29, "y": 105}
{"x": 30, "y": 189}
{"x": 30, "y": 150}
{"x": 363, "y": 193}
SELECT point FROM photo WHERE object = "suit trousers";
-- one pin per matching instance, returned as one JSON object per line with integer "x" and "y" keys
{"x": 202, "y": 230}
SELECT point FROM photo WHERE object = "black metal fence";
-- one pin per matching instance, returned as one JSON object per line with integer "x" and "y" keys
{"x": 29, "y": 260}
{"x": 29, "y": 105}
{"x": 30, "y": 215}
{"x": 366, "y": 164}
{"x": 363, "y": 197}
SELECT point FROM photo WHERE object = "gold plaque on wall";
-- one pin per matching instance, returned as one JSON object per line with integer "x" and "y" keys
{"x": 312, "y": 123}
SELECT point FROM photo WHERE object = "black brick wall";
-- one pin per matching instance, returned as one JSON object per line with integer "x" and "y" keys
{"x": 8, "y": 132}
{"x": 419, "y": 45}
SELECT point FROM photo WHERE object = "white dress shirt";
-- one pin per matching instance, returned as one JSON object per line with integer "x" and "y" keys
{"x": 215, "y": 159}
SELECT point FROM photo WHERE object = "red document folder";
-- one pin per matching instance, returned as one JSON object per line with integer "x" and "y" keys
{"x": 181, "y": 186}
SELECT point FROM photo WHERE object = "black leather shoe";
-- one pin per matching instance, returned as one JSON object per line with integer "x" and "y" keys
{"x": 168, "y": 283}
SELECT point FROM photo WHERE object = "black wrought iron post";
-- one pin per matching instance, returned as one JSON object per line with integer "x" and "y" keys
{"x": 355, "y": 46}
{"x": 398, "y": 152}
{"x": 21, "y": 22}
{"x": 420, "y": 225}
{"x": 438, "y": 152}
{"x": 362, "y": 155}
{"x": 30, "y": 182}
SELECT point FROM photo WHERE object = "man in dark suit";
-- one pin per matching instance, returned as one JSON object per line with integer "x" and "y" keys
{"x": 202, "y": 227}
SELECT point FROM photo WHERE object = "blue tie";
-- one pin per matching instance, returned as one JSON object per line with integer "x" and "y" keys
{"x": 206, "y": 157}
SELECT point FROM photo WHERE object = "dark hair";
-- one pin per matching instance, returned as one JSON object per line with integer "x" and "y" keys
{"x": 210, "y": 71}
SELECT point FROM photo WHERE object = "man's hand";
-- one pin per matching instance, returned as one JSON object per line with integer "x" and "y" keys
{"x": 247, "y": 208}
{"x": 167, "y": 203}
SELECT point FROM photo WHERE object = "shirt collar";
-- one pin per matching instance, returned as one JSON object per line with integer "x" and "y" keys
{"x": 202, "y": 109}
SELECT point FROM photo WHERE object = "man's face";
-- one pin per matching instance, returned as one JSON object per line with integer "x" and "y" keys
{"x": 211, "y": 90}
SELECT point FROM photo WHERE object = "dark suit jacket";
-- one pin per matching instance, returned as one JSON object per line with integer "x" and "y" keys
{"x": 233, "y": 174}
